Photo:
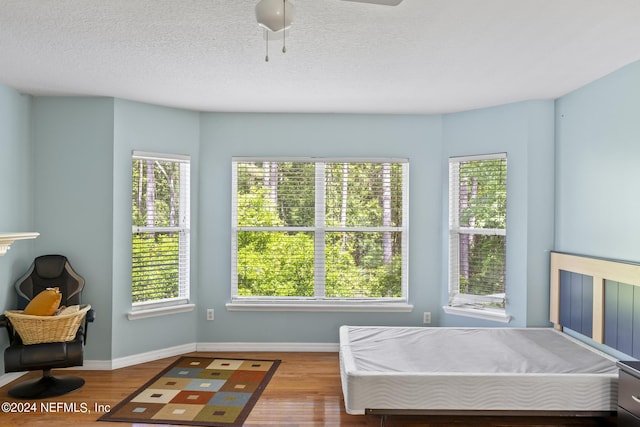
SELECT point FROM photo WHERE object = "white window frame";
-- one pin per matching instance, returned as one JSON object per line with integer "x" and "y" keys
{"x": 469, "y": 305}
{"x": 152, "y": 308}
{"x": 318, "y": 302}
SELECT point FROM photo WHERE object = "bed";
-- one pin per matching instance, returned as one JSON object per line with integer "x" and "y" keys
{"x": 515, "y": 371}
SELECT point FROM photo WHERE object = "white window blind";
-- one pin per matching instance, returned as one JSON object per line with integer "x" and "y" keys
{"x": 319, "y": 229}
{"x": 477, "y": 230}
{"x": 160, "y": 234}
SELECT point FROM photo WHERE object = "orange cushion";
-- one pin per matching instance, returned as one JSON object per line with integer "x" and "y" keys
{"x": 46, "y": 303}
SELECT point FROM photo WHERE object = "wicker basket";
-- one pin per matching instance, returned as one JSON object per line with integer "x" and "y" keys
{"x": 41, "y": 329}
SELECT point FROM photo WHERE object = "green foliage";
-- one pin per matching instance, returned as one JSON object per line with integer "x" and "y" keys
{"x": 275, "y": 264}
{"x": 155, "y": 200}
{"x": 485, "y": 182}
{"x": 271, "y": 263}
{"x": 155, "y": 271}
{"x": 281, "y": 263}
{"x": 486, "y": 266}
{"x": 364, "y": 195}
{"x": 347, "y": 279}
{"x": 163, "y": 202}
{"x": 483, "y": 205}
{"x": 255, "y": 209}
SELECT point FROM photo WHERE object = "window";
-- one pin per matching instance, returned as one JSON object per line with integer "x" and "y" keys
{"x": 160, "y": 235}
{"x": 319, "y": 230}
{"x": 477, "y": 231}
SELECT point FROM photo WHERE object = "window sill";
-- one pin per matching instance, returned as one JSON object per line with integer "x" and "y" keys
{"x": 319, "y": 307}
{"x": 160, "y": 311}
{"x": 478, "y": 313}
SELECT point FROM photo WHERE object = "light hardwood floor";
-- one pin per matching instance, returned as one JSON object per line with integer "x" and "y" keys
{"x": 305, "y": 391}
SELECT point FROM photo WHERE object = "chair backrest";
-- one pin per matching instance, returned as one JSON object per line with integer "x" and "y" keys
{"x": 50, "y": 271}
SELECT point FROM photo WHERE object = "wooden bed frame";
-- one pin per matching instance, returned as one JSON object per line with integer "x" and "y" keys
{"x": 597, "y": 298}
{"x": 592, "y": 296}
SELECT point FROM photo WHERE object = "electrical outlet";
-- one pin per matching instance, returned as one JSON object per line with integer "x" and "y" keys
{"x": 426, "y": 317}
{"x": 210, "y": 314}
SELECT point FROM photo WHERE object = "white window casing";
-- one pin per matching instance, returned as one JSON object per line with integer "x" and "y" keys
{"x": 160, "y": 242}
{"x": 319, "y": 231}
{"x": 477, "y": 236}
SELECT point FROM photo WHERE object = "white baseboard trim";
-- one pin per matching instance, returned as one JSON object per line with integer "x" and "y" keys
{"x": 269, "y": 346}
{"x": 150, "y": 356}
{"x": 95, "y": 365}
{"x": 109, "y": 365}
{"x": 11, "y": 376}
{"x": 134, "y": 359}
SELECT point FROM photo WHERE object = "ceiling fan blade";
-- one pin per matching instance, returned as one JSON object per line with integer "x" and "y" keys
{"x": 383, "y": 2}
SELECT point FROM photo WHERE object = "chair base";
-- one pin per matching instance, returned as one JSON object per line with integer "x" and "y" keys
{"x": 46, "y": 386}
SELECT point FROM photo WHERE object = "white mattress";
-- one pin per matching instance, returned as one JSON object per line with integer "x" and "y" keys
{"x": 482, "y": 369}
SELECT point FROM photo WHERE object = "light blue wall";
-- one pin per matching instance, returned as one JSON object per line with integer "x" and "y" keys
{"x": 525, "y": 131}
{"x": 598, "y": 167}
{"x": 149, "y": 128}
{"x": 540, "y": 209}
{"x": 64, "y": 171}
{"x": 16, "y": 193}
{"x": 82, "y": 164}
{"x": 567, "y": 160}
{"x": 418, "y": 138}
{"x": 72, "y": 168}
{"x": 81, "y": 171}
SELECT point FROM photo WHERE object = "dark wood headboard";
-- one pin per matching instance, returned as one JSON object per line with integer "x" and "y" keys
{"x": 599, "y": 298}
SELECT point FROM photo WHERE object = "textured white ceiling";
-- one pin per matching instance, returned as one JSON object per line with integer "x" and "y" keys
{"x": 422, "y": 56}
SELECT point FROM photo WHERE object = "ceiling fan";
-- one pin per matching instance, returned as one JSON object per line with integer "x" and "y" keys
{"x": 276, "y": 16}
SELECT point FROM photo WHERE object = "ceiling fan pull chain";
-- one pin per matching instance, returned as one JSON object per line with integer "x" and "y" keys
{"x": 266, "y": 56}
{"x": 284, "y": 25}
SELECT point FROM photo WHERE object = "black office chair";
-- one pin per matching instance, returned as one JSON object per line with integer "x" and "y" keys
{"x": 47, "y": 271}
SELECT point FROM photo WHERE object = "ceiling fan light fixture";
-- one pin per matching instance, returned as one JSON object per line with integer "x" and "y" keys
{"x": 274, "y": 15}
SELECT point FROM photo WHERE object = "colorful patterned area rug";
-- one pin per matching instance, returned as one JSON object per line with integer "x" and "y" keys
{"x": 199, "y": 391}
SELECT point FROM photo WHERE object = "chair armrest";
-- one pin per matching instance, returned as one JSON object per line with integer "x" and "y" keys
{"x": 4, "y": 323}
{"x": 89, "y": 317}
